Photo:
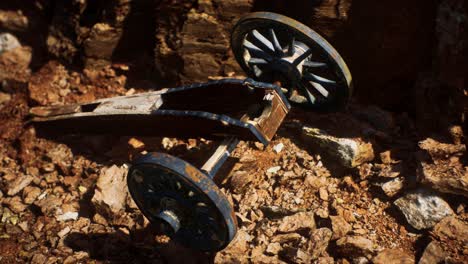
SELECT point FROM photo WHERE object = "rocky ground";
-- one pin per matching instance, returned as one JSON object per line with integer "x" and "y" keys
{"x": 356, "y": 186}
{"x": 360, "y": 186}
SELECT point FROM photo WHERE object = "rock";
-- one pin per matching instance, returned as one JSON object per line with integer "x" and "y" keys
{"x": 18, "y": 184}
{"x": 339, "y": 226}
{"x": 24, "y": 226}
{"x": 72, "y": 181}
{"x": 355, "y": 246}
{"x": 238, "y": 247}
{"x": 439, "y": 150}
{"x": 247, "y": 158}
{"x": 8, "y": 216}
{"x": 348, "y": 216}
{"x": 350, "y": 184}
{"x": 302, "y": 257}
{"x": 203, "y": 41}
{"x": 358, "y": 260}
{"x": 38, "y": 259}
{"x": 259, "y": 145}
{"x": 433, "y": 253}
{"x": 274, "y": 170}
{"x": 295, "y": 255}
{"x": 136, "y": 144}
{"x": 423, "y": 209}
{"x": 456, "y": 132}
{"x": 111, "y": 191}
{"x": 67, "y": 216}
{"x": 239, "y": 180}
{"x": 62, "y": 156}
{"x": 100, "y": 45}
{"x": 444, "y": 177}
{"x": 70, "y": 260}
{"x": 13, "y": 20}
{"x": 278, "y": 147}
{"x": 50, "y": 205}
{"x": 15, "y": 204}
{"x": 386, "y": 157}
{"x": 323, "y": 194}
{"x": 4, "y": 98}
{"x": 440, "y": 167}
{"x": 452, "y": 229}
{"x": 8, "y": 42}
{"x": 325, "y": 260}
{"x": 391, "y": 188}
{"x": 45, "y": 85}
{"x": 285, "y": 238}
{"x": 315, "y": 181}
{"x": 318, "y": 242}
{"x": 64, "y": 232}
{"x": 389, "y": 171}
{"x": 14, "y": 65}
{"x": 322, "y": 213}
{"x": 297, "y": 222}
{"x": 275, "y": 212}
{"x": 273, "y": 248}
{"x": 349, "y": 152}
{"x": 393, "y": 256}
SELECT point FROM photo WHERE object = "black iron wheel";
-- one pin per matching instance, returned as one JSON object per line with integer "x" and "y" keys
{"x": 183, "y": 201}
{"x": 272, "y": 47}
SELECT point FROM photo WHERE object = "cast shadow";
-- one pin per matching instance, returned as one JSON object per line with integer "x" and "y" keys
{"x": 138, "y": 246}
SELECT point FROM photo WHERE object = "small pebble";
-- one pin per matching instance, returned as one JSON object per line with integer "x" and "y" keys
{"x": 278, "y": 147}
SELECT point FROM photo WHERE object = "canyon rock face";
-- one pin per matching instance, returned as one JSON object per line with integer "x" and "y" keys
{"x": 189, "y": 40}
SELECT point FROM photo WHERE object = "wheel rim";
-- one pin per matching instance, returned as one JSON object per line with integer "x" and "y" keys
{"x": 271, "y": 47}
{"x": 182, "y": 201}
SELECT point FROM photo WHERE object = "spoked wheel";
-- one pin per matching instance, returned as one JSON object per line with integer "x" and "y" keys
{"x": 183, "y": 201}
{"x": 271, "y": 47}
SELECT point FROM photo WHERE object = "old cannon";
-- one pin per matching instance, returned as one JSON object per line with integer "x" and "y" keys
{"x": 287, "y": 64}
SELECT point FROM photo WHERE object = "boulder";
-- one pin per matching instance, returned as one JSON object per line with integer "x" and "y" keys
{"x": 444, "y": 177}
{"x": 350, "y": 152}
{"x": 440, "y": 167}
{"x": 111, "y": 191}
{"x": 452, "y": 228}
{"x": 423, "y": 209}
{"x": 433, "y": 253}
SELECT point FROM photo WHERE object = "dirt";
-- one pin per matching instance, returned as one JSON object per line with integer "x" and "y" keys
{"x": 306, "y": 181}
{"x": 295, "y": 204}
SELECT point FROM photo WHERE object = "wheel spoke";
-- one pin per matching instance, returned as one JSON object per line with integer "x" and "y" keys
{"x": 320, "y": 88}
{"x": 256, "y": 61}
{"x": 262, "y": 41}
{"x": 315, "y": 78}
{"x": 310, "y": 97}
{"x": 292, "y": 47}
{"x": 303, "y": 56}
{"x": 276, "y": 44}
{"x": 256, "y": 51}
{"x": 314, "y": 64}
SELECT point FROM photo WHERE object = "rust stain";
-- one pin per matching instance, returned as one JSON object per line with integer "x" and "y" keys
{"x": 193, "y": 173}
